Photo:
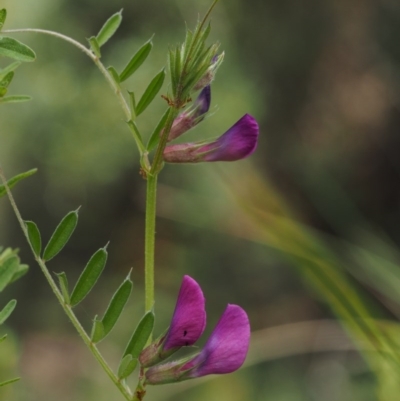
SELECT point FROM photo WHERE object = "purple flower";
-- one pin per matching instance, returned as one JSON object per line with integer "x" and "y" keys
{"x": 238, "y": 142}
{"x": 191, "y": 117}
{"x": 187, "y": 325}
{"x": 224, "y": 352}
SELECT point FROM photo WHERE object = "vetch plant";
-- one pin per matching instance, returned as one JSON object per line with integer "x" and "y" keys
{"x": 192, "y": 67}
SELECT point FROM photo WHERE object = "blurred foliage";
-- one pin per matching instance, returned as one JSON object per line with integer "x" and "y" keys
{"x": 322, "y": 78}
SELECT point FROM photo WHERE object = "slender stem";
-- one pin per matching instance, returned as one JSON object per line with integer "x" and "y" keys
{"x": 150, "y": 232}
{"x": 67, "y": 308}
{"x": 92, "y": 56}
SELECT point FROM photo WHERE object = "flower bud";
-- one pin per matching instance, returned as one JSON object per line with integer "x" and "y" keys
{"x": 208, "y": 77}
{"x": 192, "y": 116}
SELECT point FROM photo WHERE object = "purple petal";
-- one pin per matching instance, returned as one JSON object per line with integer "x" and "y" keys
{"x": 226, "y": 349}
{"x": 238, "y": 142}
{"x": 191, "y": 117}
{"x": 189, "y": 317}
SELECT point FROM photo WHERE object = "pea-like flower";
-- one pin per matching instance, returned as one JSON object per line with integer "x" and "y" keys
{"x": 192, "y": 116}
{"x": 224, "y": 352}
{"x": 187, "y": 325}
{"x": 239, "y": 142}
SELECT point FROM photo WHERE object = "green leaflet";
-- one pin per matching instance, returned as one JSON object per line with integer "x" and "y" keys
{"x": 140, "y": 335}
{"x": 127, "y": 366}
{"x": 12, "y": 48}
{"x": 34, "y": 237}
{"x": 61, "y": 235}
{"x": 89, "y": 276}
{"x": 150, "y": 92}
{"x": 14, "y": 180}
{"x": 136, "y": 61}
{"x": 109, "y": 28}
{"x": 7, "y": 310}
{"x": 113, "y": 312}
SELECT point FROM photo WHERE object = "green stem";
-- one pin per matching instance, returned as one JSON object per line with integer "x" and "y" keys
{"x": 116, "y": 89}
{"x": 150, "y": 232}
{"x": 67, "y": 308}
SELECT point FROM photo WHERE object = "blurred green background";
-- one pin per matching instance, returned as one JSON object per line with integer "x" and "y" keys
{"x": 322, "y": 79}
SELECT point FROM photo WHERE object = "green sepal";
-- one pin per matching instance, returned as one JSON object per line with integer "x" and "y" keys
{"x": 109, "y": 28}
{"x": 150, "y": 92}
{"x": 155, "y": 136}
{"x": 89, "y": 276}
{"x": 10, "y": 47}
{"x": 34, "y": 237}
{"x": 14, "y": 180}
{"x": 114, "y": 310}
{"x": 140, "y": 335}
{"x": 15, "y": 99}
{"x": 136, "y": 61}
{"x": 9, "y": 381}
{"x": 94, "y": 45}
{"x": 3, "y": 16}
{"x": 61, "y": 235}
{"x": 97, "y": 330}
{"x": 126, "y": 366}
{"x": 7, "y": 310}
{"x": 63, "y": 281}
{"x": 7, "y": 270}
{"x": 6, "y": 80}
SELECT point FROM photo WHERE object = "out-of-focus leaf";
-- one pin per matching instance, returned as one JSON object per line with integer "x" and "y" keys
{"x": 21, "y": 271}
{"x": 136, "y": 61}
{"x": 109, "y": 28}
{"x": 6, "y": 70}
{"x": 89, "y": 276}
{"x": 34, "y": 237}
{"x": 3, "y": 16}
{"x": 3, "y": 91}
{"x": 7, "y": 270}
{"x": 9, "y": 381}
{"x": 140, "y": 335}
{"x": 61, "y": 235}
{"x": 10, "y": 47}
{"x": 7, "y": 310}
{"x": 127, "y": 366}
{"x": 14, "y": 180}
{"x": 15, "y": 99}
{"x": 150, "y": 92}
{"x": 6, "y": 80}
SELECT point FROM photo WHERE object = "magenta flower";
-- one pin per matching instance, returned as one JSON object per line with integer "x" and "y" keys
{"x": 192, "y": 116}
{"x": 238, "y": 142}
{"x": 187, "y": 325}
{"x": 224, "y": 352}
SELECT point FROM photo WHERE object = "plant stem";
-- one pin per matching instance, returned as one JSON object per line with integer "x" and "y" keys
{"x": 67, "y": 308}
{"x": 150, "y": 232}
{"x": 116, "y": 89}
